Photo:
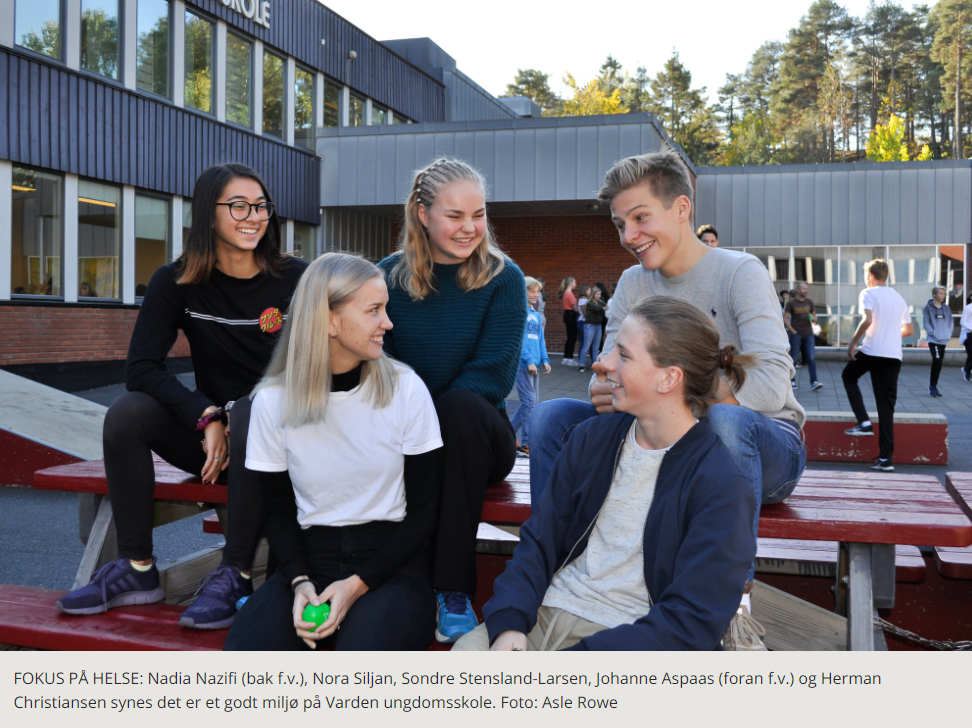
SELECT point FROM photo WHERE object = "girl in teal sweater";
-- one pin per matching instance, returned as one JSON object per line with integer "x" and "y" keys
{"x": 458, "y": 306}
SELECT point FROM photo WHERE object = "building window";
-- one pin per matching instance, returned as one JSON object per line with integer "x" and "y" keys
{"x": 99, "y": 240}
{"x": 305, "y": 237}
{"x": 199, "y": 63}
{"x": 37, "y": 233}
{"x": 152, "y": 47}
{"x": 399, "y": 119}
{"x": 356, "y": 111}
{"x": 38, "y": 26}
{"x": 151, "y": 239}
{"x": 332, "y": 104}
{"x": 239, "y": 80}
{"x": 99, "y": 37}
{"x": 378, "y": 115}
{"x": 304, "y": 108}
{"x": 273, "y": 101}
{"x": 186, "y": 221}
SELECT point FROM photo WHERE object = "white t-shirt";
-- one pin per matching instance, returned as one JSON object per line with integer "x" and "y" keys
{"x": 606, "y": 583}
{"x": 350, "y": 468}
{"x": 889, "y": 312}
{"x": 580, "y": 310}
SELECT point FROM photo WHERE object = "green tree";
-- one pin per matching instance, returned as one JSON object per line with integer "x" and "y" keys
{"x": 199, "y": 64}
{"x": 954, "y": 21}
{"x": 728, "y": 105}
{"x": 886, "y": 143}
{"x": 590, "y": 100}
{"x": 610, "y": 77}
{"x": 683, "y": 112}
{"x": 636, "y": 91}
{"x": 751, "y": 141}
{"x": 99, "y": 42}
{"x": 535, "y": 85}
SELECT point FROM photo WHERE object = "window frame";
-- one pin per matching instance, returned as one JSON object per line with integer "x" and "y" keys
{"x": 167, "y": 199}
{"x": 61, "y": 215}
{"x": 120, "y": 80}
{"x": 62, "y": 16}
{"x": 119, "y": 274}
{"x": 283, "y": 100}
{"x": 298, "y": 67}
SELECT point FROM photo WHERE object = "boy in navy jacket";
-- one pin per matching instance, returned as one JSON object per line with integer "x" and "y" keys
{"x": 642, "y": 539}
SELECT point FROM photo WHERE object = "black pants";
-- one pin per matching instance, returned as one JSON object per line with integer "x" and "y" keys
{"x": 937, "y": 352}
{"x": 480, "y": 449}
{"x": 570, "y": 321}
{"x": 884, "y": 380}
{"x": 138, "y": 425}
{"x": 399, "y": 614}
{"x": 968, "y": 354}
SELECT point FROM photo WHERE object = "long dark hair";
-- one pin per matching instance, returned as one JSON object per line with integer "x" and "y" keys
{"x": 196, "y": 263}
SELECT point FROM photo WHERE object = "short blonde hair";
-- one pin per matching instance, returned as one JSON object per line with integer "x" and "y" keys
{"x": 663, "y": 171}
{"x": 532, "y": 283}
{"x": 936, "y": 289}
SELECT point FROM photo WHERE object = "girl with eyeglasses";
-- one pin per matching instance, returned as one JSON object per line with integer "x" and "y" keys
{"x": 227, "y": 293}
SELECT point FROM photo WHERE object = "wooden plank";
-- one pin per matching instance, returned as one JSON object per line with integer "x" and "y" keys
{"x": 172, "y": 511}
{"x": 793, "y": 624}
{"x": 959, "y": 486}
{"x": 102, "y": 545}
{"x": 180, "y": 578}
{"x": 819, "y": 559}
{"x": 954, "y": 563}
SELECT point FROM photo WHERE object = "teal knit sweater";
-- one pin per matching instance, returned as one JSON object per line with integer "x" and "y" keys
{"x": 456, "y": 339}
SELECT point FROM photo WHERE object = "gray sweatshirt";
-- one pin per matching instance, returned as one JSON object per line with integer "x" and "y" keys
{"x": 938, "y": 323}
{"x": 736, "y": 291}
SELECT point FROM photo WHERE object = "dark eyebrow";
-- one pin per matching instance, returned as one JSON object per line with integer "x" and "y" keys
{"x": 245, "y": 198}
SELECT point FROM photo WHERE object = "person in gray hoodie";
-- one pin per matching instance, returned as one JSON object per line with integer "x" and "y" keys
{"x": 938, "y": 330}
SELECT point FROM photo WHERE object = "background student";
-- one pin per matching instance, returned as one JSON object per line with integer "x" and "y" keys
{"x": 886, "y": 320}
{"x": 532, "y": 356}
{"x": 228, "y": 293}
{"x": 458, "y": 305}
{"x": 569, "y": 301}
{"x": 358, "y": 435}
{"x": 965, "y": 338}
{"x": 593, "y": 321}
{"x": 798, "y": 319}
{"x": 938, "y": 323}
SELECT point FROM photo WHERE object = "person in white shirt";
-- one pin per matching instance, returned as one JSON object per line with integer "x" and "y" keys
{"x": 965, "y": 338}
{"x": 876, "y": 348}
{"x": 358, "y": 435}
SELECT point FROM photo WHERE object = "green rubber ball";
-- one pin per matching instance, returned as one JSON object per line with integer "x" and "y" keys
{"x": 317, "y": 615}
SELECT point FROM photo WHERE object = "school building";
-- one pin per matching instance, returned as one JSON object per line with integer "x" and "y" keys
{"x": 109, "y": 110}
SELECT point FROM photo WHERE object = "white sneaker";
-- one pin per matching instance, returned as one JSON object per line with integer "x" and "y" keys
{"x": 568, "y": 362}
{"x": 743, "y": 633}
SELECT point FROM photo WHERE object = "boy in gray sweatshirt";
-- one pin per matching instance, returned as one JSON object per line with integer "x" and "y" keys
{"x": 938, "y": 325}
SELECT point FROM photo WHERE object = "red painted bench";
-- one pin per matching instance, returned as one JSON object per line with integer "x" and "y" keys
{"x": 820, "y": 558}
{"x": 956, "y": 563}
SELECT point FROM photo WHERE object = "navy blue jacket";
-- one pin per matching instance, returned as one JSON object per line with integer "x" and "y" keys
{"x": 698, "y": 540}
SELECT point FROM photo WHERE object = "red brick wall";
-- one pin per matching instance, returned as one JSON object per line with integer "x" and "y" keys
{"x": 553, "y": 248}
{"x": 53, "y": 334}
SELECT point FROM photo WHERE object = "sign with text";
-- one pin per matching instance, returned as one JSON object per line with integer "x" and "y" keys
{"x": 258, "y": 12}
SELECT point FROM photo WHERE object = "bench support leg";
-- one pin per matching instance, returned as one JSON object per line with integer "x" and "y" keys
{"x": 860, "y": 598}
{"x": 102, "y": 545}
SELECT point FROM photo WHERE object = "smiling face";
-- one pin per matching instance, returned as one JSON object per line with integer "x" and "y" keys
{"x": 533, "y": 295}
{"x": 456, "y": 221}
{"x": 358, "y": 327}
{"x": 239, "y": 235}
{"x": 636, "y": 381}
{"x": 649, "y": 231}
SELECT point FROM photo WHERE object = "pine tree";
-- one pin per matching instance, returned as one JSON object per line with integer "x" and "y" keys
{"x": 954, "y": 21}
{"x": 535, "y": 85}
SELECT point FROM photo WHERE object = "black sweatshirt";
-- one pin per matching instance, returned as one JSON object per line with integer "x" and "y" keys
{"x": 232, "y": 325}
{"x": 287, "y": 538}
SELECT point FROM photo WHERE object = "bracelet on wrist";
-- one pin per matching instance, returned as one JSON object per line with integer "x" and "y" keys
{"x": 217, "y": 415}
{"x": 293, "y": 587}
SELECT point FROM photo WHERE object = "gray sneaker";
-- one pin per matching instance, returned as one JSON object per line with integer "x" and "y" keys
{"x": 860, "y": 431}
{"x": 743, "y": 633}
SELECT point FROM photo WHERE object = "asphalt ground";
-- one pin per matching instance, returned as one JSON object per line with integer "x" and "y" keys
{"x": 39, "y": 543}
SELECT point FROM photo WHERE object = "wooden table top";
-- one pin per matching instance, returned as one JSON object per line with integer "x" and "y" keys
{"x": 959, "y": 486}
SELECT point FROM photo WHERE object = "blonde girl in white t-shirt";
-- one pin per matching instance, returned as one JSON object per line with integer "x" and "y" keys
{"x": 347, "y": 444}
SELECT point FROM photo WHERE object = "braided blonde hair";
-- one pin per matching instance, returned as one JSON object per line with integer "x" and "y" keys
{"x": 413, "y": 272}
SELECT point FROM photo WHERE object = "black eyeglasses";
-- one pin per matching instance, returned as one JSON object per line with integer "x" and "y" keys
{"x": 240, "y": 210}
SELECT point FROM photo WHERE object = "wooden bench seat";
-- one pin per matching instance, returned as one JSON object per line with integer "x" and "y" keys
{"x": 819, "y": 558}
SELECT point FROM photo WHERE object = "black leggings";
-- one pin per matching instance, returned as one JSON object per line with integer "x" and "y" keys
{"x": 968, "y": 354}
{"x": 137, "y": 425}
{"x": 938, "y": 355}
{"x": 399, "y": 614}
{"x": 570, "y": 321}
{"x": 480, "y": 449}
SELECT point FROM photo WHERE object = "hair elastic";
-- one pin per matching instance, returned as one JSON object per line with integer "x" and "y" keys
{"x": 725, "y": 358}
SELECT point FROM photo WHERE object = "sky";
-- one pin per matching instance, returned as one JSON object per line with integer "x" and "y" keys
{"x": 491, "y": 40}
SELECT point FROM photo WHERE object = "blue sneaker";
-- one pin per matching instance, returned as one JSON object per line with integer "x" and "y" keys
{"x": 455, "y": 615}
{"x": 216, "y": 598}
{"x": 114, "y": 585}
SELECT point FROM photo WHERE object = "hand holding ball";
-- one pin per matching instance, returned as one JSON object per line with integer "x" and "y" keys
{"x": 317, "y": 615}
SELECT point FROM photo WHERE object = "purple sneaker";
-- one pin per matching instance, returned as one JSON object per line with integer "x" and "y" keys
{"x": 216, "y": 598}
{"x": 114, "y": 585}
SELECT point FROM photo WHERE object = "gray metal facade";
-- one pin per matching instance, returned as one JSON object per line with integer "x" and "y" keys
{"x": 56, "y": 119}
{"x": 524, "y": 160}
{"x": 354, "y": 231}
{"x": 297, "y": 27}
{"x": 916, "y": 203}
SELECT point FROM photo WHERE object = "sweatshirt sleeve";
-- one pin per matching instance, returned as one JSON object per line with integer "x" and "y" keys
{"x": 926, "y": 320}
{"x": 710, "y": 570}
{"x": 491, "y": 371}
{"x": 761, "y": 333}
{"x": 156, "y": 330}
